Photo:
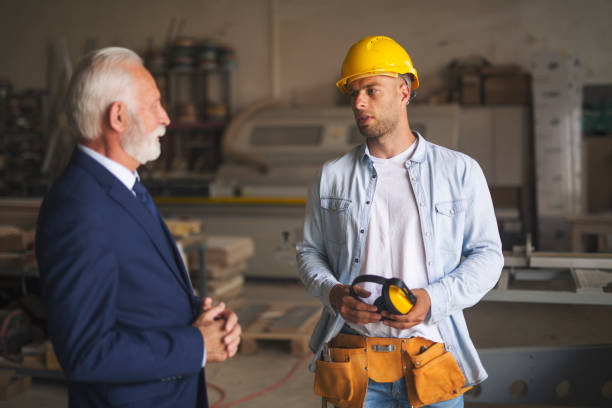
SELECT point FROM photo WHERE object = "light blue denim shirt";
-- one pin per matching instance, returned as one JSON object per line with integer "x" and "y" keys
{"x": 457, "y": 220}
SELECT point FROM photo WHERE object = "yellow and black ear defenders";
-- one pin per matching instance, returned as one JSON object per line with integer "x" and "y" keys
{"x": 395, "y": 298}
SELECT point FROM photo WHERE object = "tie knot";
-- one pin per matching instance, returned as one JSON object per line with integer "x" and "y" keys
{"x": 144, "y": 197}
{"x": 139, "y": 188}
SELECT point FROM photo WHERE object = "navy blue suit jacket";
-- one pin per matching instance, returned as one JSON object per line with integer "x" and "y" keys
{"x": 119, "y": 301}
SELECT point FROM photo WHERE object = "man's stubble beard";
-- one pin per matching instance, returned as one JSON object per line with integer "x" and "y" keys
{"x": 383, "y": 127}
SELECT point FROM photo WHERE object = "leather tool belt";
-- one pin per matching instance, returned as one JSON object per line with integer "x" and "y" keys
{"x": 431, "y": 373}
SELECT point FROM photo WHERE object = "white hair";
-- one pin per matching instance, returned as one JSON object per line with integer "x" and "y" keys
{"x": 101, "y": 78}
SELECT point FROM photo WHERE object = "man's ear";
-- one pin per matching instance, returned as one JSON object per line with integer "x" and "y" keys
{"x": 118, "y": 117}
{"x": 405, "y": 92}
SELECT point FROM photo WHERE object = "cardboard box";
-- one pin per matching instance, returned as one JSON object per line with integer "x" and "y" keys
{"x": 506, "y": 89}
{"x": 471, "y": 88}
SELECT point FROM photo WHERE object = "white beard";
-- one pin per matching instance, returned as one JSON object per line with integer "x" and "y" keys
{"x": 143, "y": 148}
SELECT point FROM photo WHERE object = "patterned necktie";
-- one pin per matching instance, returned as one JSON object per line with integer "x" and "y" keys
{"x": 145, "y": 198}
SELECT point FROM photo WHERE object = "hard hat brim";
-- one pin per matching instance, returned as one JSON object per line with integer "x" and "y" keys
{"x": 344, "y": 83}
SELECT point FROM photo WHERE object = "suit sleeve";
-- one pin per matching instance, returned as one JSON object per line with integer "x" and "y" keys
{"x": 79, "y": 273}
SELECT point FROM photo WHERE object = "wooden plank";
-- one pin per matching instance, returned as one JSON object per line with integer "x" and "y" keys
{"x": 297, "y": 320}
{"x": 248, "y": 314}
{"x": 184, "y": 227}
{"x": 219, "y": 288}
{"x": 588, "y": 280}
{"x": 228, "y": 250}
{"x": 294, "y": 319}
{"x": 219, "y": 272}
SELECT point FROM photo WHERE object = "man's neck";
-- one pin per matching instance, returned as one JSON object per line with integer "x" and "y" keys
{"x": 391, "y": 144}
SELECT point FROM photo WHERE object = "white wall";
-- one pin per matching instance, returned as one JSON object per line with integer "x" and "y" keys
{"x": 313, "y": 36}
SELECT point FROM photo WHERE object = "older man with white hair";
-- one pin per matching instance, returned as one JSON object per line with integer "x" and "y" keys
{"x": 123, "y": 318}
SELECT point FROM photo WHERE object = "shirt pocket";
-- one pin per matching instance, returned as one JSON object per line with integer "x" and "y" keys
{"x": 450, "y": 219}
{"x": 334, "y": 217}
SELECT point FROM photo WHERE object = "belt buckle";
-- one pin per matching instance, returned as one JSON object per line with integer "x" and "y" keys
{"x": 383, "y": 348}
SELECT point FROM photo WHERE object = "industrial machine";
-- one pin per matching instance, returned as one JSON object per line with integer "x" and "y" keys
{"x": 271, "y": 154}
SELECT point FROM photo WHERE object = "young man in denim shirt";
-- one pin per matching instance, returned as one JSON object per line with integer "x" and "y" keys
{"x": 396, "y": 206}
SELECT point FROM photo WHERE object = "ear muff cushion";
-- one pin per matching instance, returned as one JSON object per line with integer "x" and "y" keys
{"x": 398, "y": 297}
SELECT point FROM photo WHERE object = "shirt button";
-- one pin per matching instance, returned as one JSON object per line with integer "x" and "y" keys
{"x": 413, "y": 178}
{"x": 367, "y": 202}
{"x": 356, "y": 260}
{"x": 362, "y": 231}
{"x": 427, "y": 233}
{"x": 373, "y": 175}
{"x": 429, "y": 263}
{"x": 452, "y": 211}
{"x": 421, "y": 203}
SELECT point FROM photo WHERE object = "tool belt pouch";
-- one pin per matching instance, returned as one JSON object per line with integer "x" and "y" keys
{"x": 437, "y": 377}
{"x": 342, "y": 381}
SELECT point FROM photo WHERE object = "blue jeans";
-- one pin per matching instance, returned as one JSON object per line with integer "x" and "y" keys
{"x": 393, "y": 395}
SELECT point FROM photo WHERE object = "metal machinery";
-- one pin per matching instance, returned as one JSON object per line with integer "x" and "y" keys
{"x": 272, "y": 155}
{"x": 563, "y": 375}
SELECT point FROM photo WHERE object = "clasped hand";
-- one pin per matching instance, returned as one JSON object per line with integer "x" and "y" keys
{"x": 357, "y": 312}
{"x": 220, "y": 331}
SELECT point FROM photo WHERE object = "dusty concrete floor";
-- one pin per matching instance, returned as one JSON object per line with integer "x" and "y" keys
{"x": 492, "y": 324}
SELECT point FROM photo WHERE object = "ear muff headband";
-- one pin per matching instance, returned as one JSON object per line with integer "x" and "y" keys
{"x": 366, "y": 278}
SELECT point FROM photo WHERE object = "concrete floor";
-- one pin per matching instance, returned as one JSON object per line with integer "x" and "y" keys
{"x": 492, "y": 324}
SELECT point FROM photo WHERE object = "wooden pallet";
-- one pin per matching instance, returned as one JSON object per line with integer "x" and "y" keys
{"x": 277, "y": 321}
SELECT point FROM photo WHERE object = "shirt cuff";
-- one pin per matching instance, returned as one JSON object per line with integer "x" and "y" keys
{"x": 437, "y": 295}
{"x": 326, "y": 290}
{"x": 204, "y": 356}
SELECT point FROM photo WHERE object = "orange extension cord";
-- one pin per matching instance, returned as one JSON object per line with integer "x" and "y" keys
{"x": 219, "y": 402}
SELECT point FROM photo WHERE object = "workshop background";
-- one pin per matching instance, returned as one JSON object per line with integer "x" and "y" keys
{"x": 524, "y": 87}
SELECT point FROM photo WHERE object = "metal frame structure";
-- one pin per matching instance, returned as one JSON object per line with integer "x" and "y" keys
{"x": 559, "y": 376}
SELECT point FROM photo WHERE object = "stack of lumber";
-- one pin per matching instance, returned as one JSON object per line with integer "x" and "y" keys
{"x": 226, "y": 260}
{"x": 16, "y": 246}
{"x": 226, "y": 256}
{"x": 184, "y": 227}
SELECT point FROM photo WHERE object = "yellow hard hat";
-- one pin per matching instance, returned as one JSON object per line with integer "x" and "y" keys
{"x": 376, "y": 55}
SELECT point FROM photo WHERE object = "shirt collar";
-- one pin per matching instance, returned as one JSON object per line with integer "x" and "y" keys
{"x": 419, "y": 153}
{"x": 126, "y": 177}
{"x": 417, "y": 156}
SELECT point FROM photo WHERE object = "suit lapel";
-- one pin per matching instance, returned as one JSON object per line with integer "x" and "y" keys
{"x": 177, "y": 255}
{"x": 153, "y": 228}
{"x": 159, "y": 235}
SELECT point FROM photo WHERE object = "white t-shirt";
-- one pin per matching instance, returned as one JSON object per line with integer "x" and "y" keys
{"x": 394, "y": 242}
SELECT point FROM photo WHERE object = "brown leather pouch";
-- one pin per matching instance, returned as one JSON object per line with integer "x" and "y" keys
{"x": 343, "y": 381}
{"x": 437, "y": 376}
